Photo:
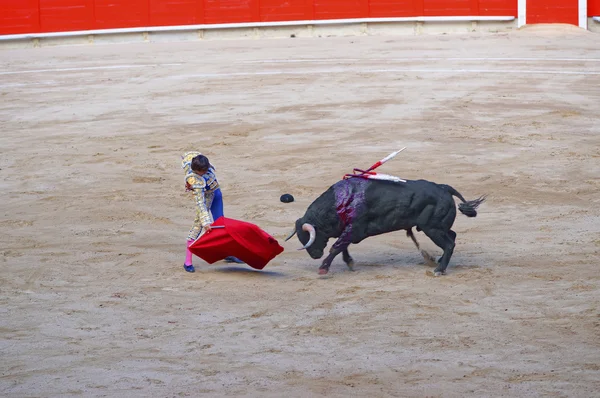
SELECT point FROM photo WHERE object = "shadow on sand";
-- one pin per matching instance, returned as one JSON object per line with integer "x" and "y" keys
{"x": 248, "y": 270}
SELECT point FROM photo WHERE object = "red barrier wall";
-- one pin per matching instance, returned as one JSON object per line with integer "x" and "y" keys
{"x": 57, "y": 15}
{"x": 35, "y": 16}
{"x": 552, "y": 11}
{"x": 593, "y": 8}
{"x": 498, "y": 7}
{"x": 174, "y": 12}
{"x": 131, "y": 13}
{"x": 19, "y": 16}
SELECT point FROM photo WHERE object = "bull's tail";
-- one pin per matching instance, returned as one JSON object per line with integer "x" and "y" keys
{"x": 467, "y": 207}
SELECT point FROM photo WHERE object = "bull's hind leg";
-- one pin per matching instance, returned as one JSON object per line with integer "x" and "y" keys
{"x": 428, "y": 257}
{"x": 444, "y": 240}
{"x": 452, "y": 235}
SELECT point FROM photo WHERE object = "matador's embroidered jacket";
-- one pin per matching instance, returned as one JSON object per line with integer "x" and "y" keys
{"x": 204, "y": 188}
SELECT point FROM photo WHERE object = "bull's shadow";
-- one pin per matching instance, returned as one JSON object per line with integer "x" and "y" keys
{"x": 402, "y": 259}
{"x": 249, "y": 271}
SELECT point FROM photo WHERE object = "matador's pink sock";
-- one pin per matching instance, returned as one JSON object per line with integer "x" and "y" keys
{"x": 188, "y": 253}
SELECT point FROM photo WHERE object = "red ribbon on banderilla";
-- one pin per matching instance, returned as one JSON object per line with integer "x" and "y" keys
{"x": 370, "y": 174}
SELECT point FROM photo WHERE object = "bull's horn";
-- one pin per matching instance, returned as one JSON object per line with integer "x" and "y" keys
{"x": 290, "y": 235}
{"x": 313, "y": 234}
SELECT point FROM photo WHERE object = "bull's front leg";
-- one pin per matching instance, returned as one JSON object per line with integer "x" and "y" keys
{"x": 348, "y": 260}
{"x": 340, "y": 246}
{"x": 346, "y": 256}
{"x": 324, "y": 268}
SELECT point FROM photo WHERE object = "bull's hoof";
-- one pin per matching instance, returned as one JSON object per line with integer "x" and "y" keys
{"x": 323, "y": 271}
{"x": 434, "y": 273}
{"x": 350, "y": 265}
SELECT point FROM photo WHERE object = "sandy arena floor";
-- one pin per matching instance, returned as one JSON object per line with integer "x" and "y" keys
{"x": 94, "y": 300}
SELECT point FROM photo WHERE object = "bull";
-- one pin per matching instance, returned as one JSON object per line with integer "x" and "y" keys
{"x": 354, "y": 209}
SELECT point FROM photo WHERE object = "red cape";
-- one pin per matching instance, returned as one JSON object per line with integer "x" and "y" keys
{"x": 241, "y": 239}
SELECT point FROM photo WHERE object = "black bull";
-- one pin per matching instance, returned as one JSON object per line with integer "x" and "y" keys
{"x": 356, "y": 208}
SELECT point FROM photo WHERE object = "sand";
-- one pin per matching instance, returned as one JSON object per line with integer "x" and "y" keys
{"x": 94, "y": 299}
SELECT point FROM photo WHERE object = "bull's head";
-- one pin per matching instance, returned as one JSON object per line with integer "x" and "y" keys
{"x": 311, "y": 239}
